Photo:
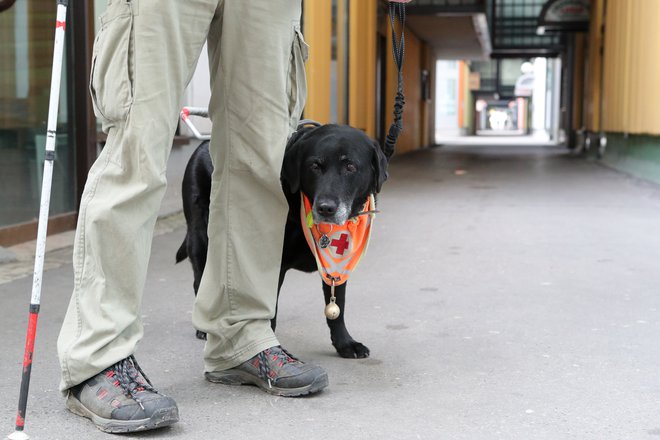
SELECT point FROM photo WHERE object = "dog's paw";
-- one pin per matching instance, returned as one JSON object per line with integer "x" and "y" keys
{"x": 353, "y": 350}
{"x": 200, "y": 335}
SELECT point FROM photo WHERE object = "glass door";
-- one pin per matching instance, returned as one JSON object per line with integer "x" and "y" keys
{"x": 27, "y": 30}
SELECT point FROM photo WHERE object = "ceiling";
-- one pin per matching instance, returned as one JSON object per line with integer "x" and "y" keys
{"x": 461, "y": 36}
{"x": 481, "y": 29}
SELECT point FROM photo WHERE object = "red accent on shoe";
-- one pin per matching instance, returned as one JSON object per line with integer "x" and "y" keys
{"x": 102, "y": 393}
{"x": 110, "y": 373}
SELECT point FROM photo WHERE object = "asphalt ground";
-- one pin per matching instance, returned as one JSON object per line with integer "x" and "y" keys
{"x": 509, "y": 292}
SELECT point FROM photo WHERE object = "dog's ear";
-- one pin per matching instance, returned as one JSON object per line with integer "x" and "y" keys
{"x": 290, "y": 175}
{"x": 379, "y": 164}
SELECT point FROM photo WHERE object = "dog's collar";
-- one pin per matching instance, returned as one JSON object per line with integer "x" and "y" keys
{"x": 337, "y": 248}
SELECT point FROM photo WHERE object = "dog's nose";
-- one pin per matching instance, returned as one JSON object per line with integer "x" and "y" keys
{"x": 326, "y": 207}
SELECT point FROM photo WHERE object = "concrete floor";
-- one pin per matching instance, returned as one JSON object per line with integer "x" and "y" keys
{"x": 509, "y": 292}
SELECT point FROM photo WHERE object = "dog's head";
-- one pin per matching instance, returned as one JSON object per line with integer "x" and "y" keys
{"x": 336, "y": 167}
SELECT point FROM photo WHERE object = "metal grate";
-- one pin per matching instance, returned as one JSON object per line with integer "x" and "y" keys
{"x": 513, "y": 29}
{"x": 424, "y": 7}
{"x": 512, "y": 24}
{"x": 444, "y": 3}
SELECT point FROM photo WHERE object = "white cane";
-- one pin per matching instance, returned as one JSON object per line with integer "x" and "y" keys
{"x": 185, "y": 115}
{"x": 44, "y": 208}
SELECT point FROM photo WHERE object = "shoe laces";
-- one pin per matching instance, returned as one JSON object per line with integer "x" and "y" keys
{"x": 273, "y": 356}
{"x": 127, "y": 372}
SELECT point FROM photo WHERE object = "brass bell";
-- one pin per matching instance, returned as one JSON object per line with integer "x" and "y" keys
{"x": 332, "y": 310}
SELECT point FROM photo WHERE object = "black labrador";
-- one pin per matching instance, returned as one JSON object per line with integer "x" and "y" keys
{"x": 337, "y": 167}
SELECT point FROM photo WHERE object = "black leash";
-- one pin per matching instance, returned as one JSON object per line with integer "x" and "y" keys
{"x": 397, "y": 13}
{"x": 397, "y": 10}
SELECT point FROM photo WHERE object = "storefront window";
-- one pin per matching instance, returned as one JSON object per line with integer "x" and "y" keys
{"x": 26, "y": 49}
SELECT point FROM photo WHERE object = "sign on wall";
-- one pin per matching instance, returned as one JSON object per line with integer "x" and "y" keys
{"x": 564, "y": 16}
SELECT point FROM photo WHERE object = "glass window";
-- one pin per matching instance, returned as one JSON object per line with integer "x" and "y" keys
{"x": 27, "y": 32}
{"x": 510, "y": 71}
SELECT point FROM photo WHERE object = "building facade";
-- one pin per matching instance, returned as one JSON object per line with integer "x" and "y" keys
{"x": 606, "y": 73}
{"x": 351, "y": 74}
{"x": 618, "y": 105}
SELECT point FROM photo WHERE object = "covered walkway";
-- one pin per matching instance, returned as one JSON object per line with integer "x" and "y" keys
{"x": 510, "y": 292}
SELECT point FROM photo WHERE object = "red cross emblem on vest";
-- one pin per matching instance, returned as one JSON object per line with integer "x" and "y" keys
{"x": 341, "y": 244}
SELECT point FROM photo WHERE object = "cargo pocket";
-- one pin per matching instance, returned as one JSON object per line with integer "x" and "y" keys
{"x": 297, "y": 89}
{"x": 111, "y": 82}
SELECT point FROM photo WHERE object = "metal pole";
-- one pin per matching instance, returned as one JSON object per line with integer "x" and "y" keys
{"x": 570, "y": 91}
{"x": 44, "y": 208}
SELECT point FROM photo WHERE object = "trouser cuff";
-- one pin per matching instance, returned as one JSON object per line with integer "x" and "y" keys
{"x": 241, "y": 355}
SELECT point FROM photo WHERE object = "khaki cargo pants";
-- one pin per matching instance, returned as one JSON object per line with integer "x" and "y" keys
{"x": 144, "y": 56}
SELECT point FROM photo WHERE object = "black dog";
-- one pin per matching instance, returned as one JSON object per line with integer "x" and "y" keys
{"x": 336, "y": 167}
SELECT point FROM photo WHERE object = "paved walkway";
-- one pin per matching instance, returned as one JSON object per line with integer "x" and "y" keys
{"x": 510, "y": 292}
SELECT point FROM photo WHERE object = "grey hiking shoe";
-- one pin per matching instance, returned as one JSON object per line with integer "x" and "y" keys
{"x": 121, "y": 399}
{"x": 276, "y": 372}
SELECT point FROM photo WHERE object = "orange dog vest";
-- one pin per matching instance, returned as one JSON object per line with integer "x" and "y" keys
{"x": 337, "y": 248}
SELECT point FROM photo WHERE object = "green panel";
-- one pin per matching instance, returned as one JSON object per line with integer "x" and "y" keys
{"x": 638, "y": 155}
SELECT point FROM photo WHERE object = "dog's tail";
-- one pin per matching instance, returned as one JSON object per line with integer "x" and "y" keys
{"x": 182, "y": 253}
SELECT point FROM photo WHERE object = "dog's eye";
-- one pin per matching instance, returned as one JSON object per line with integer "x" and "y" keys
{"x": 351, "y": 168}
{"x": 315, "y": 166}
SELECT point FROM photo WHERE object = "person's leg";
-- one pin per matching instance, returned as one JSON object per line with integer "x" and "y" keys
{"x": 258, "y": 93}
{"x": 144, "y": 56}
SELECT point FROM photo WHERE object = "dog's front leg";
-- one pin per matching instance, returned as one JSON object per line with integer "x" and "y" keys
{"x": 345, "y": 345}
{"x": 273, "y": 322}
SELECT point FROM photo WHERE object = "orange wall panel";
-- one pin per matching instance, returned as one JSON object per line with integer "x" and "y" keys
{"x": 631, "y": 90}
{"x": 362, "y": 65}
{"x": 318, "y": 33}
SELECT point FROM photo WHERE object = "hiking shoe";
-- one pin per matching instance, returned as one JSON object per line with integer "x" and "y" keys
{"x": 276, "y": 372}
{"x": 121, "y": 399}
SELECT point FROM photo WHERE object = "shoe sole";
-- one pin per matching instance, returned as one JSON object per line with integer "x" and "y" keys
{"x": 161, "y": 418}
{"x": 238, "y": 377}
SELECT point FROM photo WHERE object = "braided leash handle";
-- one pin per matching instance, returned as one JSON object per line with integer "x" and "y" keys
{"x": 397, "y": 13}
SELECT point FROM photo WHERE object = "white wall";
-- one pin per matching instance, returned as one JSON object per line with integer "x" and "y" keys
{"x": 446, "y": 99}
{"x": 539, "y": 95}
